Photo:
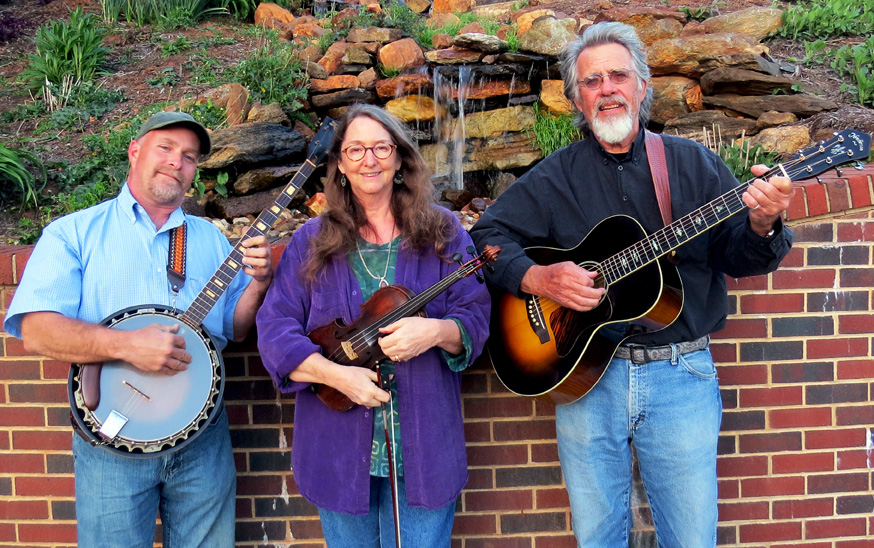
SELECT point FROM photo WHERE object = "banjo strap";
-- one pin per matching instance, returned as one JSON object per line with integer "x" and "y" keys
{"x": 176, "y": 258}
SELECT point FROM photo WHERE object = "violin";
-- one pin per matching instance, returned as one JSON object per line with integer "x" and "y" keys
{"x": 357, "y": 344}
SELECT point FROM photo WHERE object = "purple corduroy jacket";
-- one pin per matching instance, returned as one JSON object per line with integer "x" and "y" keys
{"x": 330, "y": 449}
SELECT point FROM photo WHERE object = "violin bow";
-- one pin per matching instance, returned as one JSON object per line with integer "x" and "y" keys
{"x": 385, "y": 384}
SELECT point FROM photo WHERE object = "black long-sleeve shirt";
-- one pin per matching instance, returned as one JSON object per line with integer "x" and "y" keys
{"x": 561, "y": 199}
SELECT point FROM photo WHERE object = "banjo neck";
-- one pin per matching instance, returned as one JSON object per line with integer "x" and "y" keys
{"x": 219, "y": 282}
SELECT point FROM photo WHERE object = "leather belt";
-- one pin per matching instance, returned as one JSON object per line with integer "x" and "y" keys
{"x": 639, "y": 353}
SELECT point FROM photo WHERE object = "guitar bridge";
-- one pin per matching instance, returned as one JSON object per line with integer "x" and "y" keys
{"x": 536, "y": 318}
{"x": 350, "y": 352}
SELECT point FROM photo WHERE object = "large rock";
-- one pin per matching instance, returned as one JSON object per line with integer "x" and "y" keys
{"x": 267, "y": 113}
{"x": 669, "y": 97}
{"x": 263, "y": 177}
{"x": 526, "y": 18}
{"x": 419, "y": 6}
{"x": 694, "y": 55}
{"x": 492, "y": 123}
{"x": 744, "y": 82}
{"x": 548, "y": 36}
{"x": 553, "y": 99}
{"x": 651, "y": 24}
{"x": 254, "y": 144}
{"x": 333, "y": 58}
{"x": 401, "y": 54}
{"x": 480, "y": 42}
{"x": 234, "y": 98}
{"x": 801, "y": 104}
{"x": 782, "y": 140}
{"x": 454, "y": 56}
{"x": 253, "y": 204}
{"x": 403, "y": 84}
{"x": 514, "y": 150}
{"x": 694, "y": 124}
{"x": 342, "y": 98}
{"x": 334, "y": 83}
{"x": 756, "y": 22}
{"x": 415, "y": 108}
{"x": 374, "y": 34}
{"x": 269, "y": 10}
{"x": 486, "y": 89}
{"x": 452, "y": 6}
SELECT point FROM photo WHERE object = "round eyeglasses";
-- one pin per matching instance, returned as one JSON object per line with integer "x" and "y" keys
{"x": 594, "y": 81}
{"x": 356, "y": 153}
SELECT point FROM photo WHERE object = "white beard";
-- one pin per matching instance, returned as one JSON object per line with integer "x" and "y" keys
{"x": 615, "y": 129}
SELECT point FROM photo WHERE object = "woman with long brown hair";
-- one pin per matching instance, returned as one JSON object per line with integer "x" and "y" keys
{"x": 381, "y": 228}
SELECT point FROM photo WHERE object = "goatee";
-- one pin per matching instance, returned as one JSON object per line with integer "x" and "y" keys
{"x": 615, "y": 129}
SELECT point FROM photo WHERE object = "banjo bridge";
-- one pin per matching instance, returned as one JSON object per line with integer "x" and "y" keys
{"x": 137, "y": 391}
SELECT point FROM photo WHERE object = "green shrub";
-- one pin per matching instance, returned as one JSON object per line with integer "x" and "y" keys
{"x": 827, "y": 18}
{"x": 856, "y": 62}
{"x": 16, "y": 179}
{"x": 68, "y": 54}
{"x": 273, "y": 73}
{"x": 554, "y": 132}
{"x": 176, "y": 46}
{"x": 163, "y": 13}
{"x": 740, "y": 158}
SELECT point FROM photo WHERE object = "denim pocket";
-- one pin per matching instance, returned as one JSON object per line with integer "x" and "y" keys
{"x": 699, "y": 363}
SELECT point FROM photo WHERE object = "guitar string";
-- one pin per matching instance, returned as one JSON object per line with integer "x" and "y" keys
{"x": 615, "y": 259}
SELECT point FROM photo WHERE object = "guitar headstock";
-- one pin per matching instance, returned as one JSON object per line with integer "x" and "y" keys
{"x": 321, "y": 143}
{"x": 846, "y": 146}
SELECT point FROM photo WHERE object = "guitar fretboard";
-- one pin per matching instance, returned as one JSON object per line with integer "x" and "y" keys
{"x": 219, "y": 282}
{"x": 844, "y": 148}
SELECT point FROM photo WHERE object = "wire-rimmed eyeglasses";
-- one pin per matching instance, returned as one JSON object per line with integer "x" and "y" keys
{"x": 356, "y": 153}
{"x": 594, "y": 81}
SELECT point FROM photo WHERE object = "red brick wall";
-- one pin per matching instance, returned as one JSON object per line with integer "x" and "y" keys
{"x": 796, "y": 449}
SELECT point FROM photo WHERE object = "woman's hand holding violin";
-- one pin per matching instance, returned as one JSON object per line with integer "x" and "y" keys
{"x": 408, "y": 337}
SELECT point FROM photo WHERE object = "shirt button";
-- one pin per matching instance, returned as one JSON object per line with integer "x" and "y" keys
{"x": 620, "y": 168}
{"x": 625, "y": 198}
{"x": 355, "y": 293}
{"x": 367, "y": 413}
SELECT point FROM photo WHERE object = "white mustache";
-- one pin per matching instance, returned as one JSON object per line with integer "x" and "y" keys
{"x": 612, "y": 99}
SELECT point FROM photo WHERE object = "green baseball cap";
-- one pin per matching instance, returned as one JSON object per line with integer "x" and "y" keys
{"x": 165, "y": 119}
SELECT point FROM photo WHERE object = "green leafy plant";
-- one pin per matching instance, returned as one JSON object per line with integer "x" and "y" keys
{"x": 273, "y": 73}
{"x": 16, "y": 179}
{"x": 221, "y": 182}
{"x": 175, "y": 47}
{"x": 827, "y": 18}
{"x": 163, "y": 13}
{"x": 168, "y": 77}
{"x": 388, "y": 72}
{"x": 704, "y": 12}
{"x": 554, "y": 132}
{"x": 512, "y": 39}
{"x": 856, "y": 61}
{"x": 741, "y": 157}
{"x": 68, "y": 54}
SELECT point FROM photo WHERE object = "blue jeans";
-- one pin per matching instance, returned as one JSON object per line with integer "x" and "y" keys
{"x": 671, "y": 410}
{"x": 194, "y": 488}
{"x": 420, "y": 528}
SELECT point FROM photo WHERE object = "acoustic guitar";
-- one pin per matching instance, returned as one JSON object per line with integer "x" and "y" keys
{"x": 136, "y": 413}
{"x": 543, "y": 350}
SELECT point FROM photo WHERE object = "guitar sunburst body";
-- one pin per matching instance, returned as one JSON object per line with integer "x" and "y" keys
{"x": 543, "y": 350}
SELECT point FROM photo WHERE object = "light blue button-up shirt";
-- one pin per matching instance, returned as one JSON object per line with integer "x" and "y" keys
{"x": 95, "y": 262}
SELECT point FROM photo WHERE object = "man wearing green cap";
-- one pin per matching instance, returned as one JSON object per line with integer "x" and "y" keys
{"x": 92, "y": 263}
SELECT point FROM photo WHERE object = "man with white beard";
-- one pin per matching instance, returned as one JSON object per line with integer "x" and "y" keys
{"x": 660, "y": 392}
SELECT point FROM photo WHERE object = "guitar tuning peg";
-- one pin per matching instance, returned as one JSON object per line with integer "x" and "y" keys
{"x": 471, "y": 249}
{"x": 490, "y": 268}
{"x": 859, "y": 165}
{"x": 840, "y": 172}
{"x": 818, "y": 180}
{"x": 479, "y": 277}
{"x": 457, "y": 257}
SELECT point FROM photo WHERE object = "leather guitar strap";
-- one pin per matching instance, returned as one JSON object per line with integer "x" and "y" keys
{"x": 176, "y": 259}
{"x": 655, "y": 153}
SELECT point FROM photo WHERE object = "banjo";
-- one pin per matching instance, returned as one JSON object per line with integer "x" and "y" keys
{"x": 138, "y": 414}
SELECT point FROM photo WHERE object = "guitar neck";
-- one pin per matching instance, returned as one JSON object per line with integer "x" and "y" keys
{"x": 219, "y": 282}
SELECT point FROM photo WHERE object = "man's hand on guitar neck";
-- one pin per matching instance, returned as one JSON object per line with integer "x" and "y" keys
{"x": 564, "y": 283}
{"x": 767, "y": 200}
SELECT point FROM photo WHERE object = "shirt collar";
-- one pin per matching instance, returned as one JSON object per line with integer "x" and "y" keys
{"x": 635, "y": 153}
{"x": 135, "y": 212}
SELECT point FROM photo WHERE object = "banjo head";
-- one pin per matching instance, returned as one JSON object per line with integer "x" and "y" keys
{"x": 147, "y": 413}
